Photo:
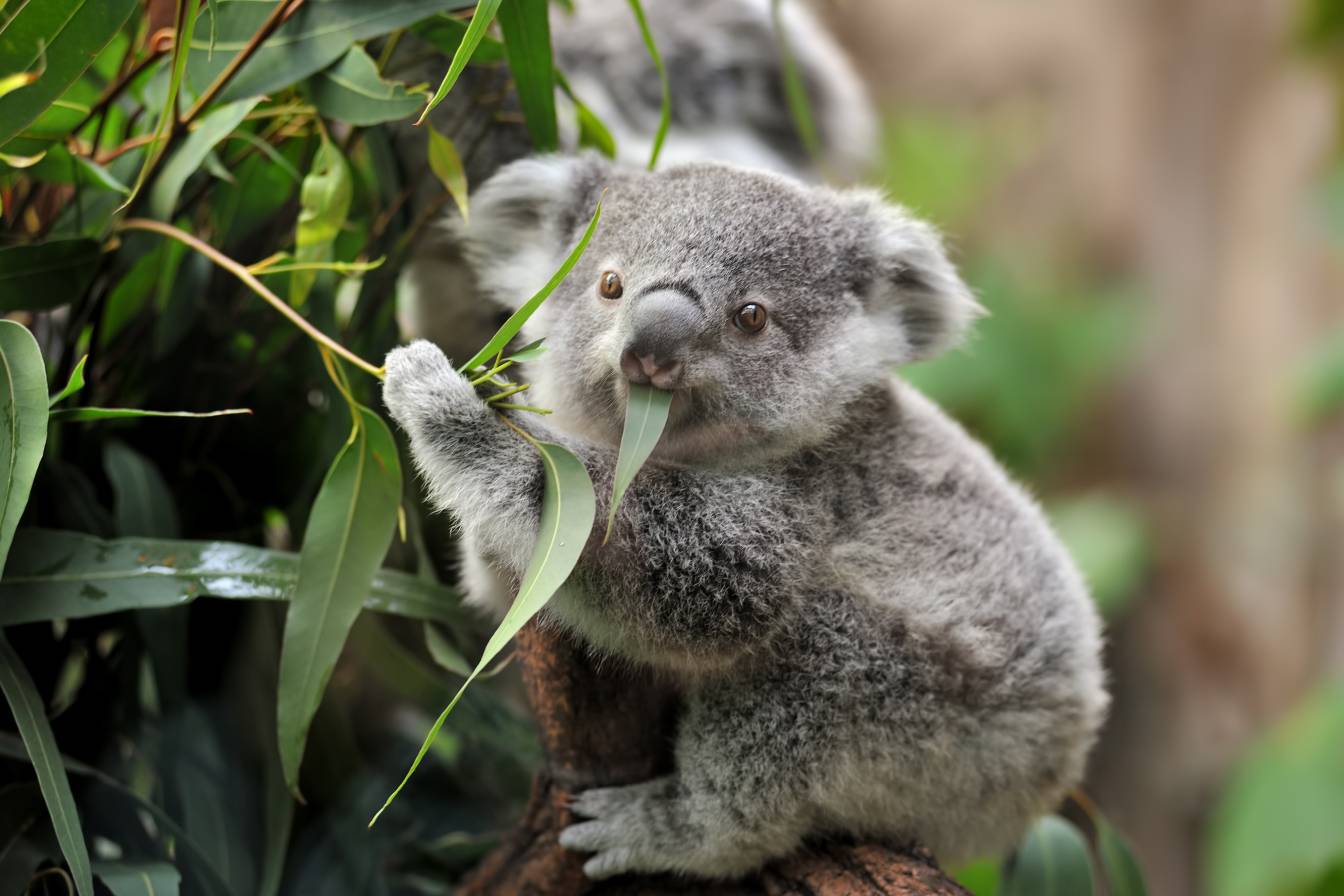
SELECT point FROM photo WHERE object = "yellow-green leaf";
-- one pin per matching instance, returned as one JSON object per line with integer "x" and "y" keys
{"x": 325, "y": 203}
{"x": 447, "y": 167}
{"x": 480, "y": 20}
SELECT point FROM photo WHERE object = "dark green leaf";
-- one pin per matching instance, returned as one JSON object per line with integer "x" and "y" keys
{"x": 23, "y": 424}
{"x": 141, "y": 501}
{"x": 46, "y": 275}
{"x": 527, "y": 43}
{"x": 60, "y": 38}
{"x": 567, "y": 510}
{"x": 73, "y": 385}
{"x": 665, "y": 116}
{"x": 349, "y": 530}
{"x": 325, "y": 203}
{"x": 318, "y": 34}
{"x": 446, "y": 33}
{"x": 187, "y": 160}
{"x": 519, "y": 317}
{"x": 444, "y": 653}
{"x": 30, "y": 716}
{"x": 480, "y": 20}
{"x": 60, "y": 166}
{"x": 1052, "y": 862}
{"x": 795, "y": 91}
{"x": 76, "y": 415}
{"x": 1123, "y": 875}
{"x": 646, "y": 411}
{"x": 447, "y": 167}
{"x": 69, "y": 575}
{"x": 352, "y": 91}
{"x": 140, "y": 879}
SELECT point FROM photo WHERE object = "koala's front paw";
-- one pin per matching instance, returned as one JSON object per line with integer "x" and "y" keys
{"x": 629, "y": 830}
{"x": 421, "y": 384}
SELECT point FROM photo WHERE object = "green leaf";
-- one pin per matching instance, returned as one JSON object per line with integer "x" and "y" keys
{"x": 446, "y": 34}
{"x": 352, "y": 91}
{"x": 980, "y": 877}
{"x": 646, "y": 411}
{"x": 1280, "y": 823}
{"x": 519, "y": 317}
{"x": 795, "y": 91}
{"x": 529, "y": 352}
{"x": 23, "y": 424}
{"x": 39, "y": 276}
{"x": 314, "y": 37}
{"x": 1052, "y": 862}
{"x": 480, "y": 20}
{"x": 73, "y": 385}
{"x": 187, "y": 160}
{"x": 60, "y": 166}
{"x": 141, "y": 501}
{"x": 447, "y": 167}
{"x": 1320, "y": 380}
{"x": 665, "y": 116}
{"x": 1121, "y": 870}
{"x": 567, "y": 511}
{"x": 527, "y": 43}
{"x": 325, "y": 204}
{"x": 59, "y": 37}
{"x": 70, "y": 575}
{"x": 592, "y": 131}
{"x": 139, "y": 879}
{"x": 76, "y": 415}
{"x": 444, "y": 653}
{"x": 349, "y": 530}
{"x": 30, "y": 716}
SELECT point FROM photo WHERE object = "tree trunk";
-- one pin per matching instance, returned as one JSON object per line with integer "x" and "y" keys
{"x": 612, "y": 726}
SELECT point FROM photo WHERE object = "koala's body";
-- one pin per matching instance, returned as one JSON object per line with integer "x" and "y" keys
{"x": 874, "y": 630}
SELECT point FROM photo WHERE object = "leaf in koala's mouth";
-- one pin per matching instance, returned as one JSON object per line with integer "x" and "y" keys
{"x": 646, "y": 412}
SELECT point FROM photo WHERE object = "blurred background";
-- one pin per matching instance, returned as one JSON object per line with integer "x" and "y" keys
{"x": 1149, "y": 198}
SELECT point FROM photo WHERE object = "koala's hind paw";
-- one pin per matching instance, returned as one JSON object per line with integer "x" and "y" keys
{"x": 635, "y": 828}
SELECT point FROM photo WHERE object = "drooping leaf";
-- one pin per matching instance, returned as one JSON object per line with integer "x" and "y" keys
{"x": 61, "y": 166}
{"x": 69, "y": 575}
{"x": 646, "y": 413}
{"x": 352, "y": 91}
{"x": 567, "y": 511}
{"x": 446, "y": 34}
{"x": 139, "y": 879}
{"x": 78, "y": 415}
{"x": 72, "y": 385}
{"x": 314, "y": 37}
{"x": 593, "y": 131}
{"x": 520, "y": 317}
{"x": 349, "y": 530}
{"x": 1052, "y": 862}
{"x": 795, "y": 91}
{"x": 141, "y": 501}
{"x": 1121, "y": 870}
{"x": 527, "y": 44}
{"x": 23, "y": 424}
{"x": 1280, "y": 822}
{"x": 664, "y": 116}
{"x": 529, "y": 352}
{"x": 30, "y": 716}
{"x": 480, "y": 20}
{"x": 444, "y": 653}
{"x": 188, "y": 158}
{"x": 60, "y": 38}
{"x": 40, "y": 276}
{"x": 325, "y": 204}
{"x": 447, "y": 167}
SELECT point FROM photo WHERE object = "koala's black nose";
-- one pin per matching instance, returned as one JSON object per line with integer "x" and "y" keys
{"x": 663, "y": 324}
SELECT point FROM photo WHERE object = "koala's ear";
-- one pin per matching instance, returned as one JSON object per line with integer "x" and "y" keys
{"x": 525, "y": 218}
{"x": 914, "y": 285}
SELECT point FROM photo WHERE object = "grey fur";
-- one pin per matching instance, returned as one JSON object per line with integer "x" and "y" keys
{"x": 875, "y": 631}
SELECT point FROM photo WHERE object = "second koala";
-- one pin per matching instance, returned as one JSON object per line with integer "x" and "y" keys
{"x": 875, "y": 631}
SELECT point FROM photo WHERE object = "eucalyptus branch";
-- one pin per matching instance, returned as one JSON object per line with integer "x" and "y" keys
{"x": 242, "y": 273}
{"x": 282, "y": 11}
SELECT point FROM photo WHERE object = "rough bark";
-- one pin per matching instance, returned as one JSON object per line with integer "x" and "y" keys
{"x": 608, "y": 726}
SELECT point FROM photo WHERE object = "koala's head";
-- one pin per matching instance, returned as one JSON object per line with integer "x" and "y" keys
{"x": 763, "y": 304}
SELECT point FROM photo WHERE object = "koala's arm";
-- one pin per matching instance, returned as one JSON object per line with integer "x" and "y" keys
{"x": 678, "y": 530}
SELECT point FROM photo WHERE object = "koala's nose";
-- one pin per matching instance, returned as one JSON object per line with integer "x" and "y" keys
{"x": 663, "y": 325}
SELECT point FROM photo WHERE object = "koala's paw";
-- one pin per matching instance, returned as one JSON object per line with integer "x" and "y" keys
{"x": 421, "y": 384}
{"x": 638, "y": 828}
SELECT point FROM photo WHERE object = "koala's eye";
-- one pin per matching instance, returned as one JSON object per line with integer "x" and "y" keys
{"x": 750, "y": 318}
{"x": 609, "y": 285}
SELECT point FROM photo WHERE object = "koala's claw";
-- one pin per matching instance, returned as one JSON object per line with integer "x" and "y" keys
{"x": 620, "y": 832}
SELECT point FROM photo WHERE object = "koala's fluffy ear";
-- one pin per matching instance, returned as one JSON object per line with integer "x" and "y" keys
{"x": 914, "y": 285}
{"x": 525, "y": 218}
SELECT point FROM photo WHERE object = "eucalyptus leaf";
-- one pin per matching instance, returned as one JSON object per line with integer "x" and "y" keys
{"x": 520, "y": 317}
{"x": 349, "y": 530}
{"x": 1124, "y": 876}
{"x": 527, "y": 44}
{"x": 141, "y": 501}
{"x": 795, "y": 91}
{"x": 139, "y": 879}
{"x": 446, "y": 34}
{"x": 61, "y": 166}
{"x": 593, "y": 131}
{"x": 1052, "y": 862}
{"x": 73, "y": 385}
{"x": 190, "y": 156}
{"x": 480, "y": 20}
{"x": 447, "y": 167}
{"x": 39, "y": 276}
{"x": 30, "y": 716}
{"x": 567, "y": 511}
{"x": 665, "y": 115}
{"x": 23, "y": 424}
{"x": 325, "y": 199}
{"x": 69, "y": 575}
{"x": 78, "y": 415}
{"x": 646, "y": 412}
{"x": 352, "y": 91}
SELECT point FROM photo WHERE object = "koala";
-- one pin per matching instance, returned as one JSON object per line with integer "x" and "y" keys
{"x": 872, "y": 630}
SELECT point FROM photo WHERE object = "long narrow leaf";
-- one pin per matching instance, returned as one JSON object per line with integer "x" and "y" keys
{"x": 665, "y": 116}
{"x": 70, "y": 575}
{"x": 447, "y": 166}
{"x": 527, "y": 43}
{"x": 795, "y": 91}
{"x": 520, "y": 317}
{"x": 646, "y": 413}
{"x": 76, "y": 415}
{"x": 480, "y": 20}
{"x": 30, "y": 715}
{"x": 23, "y": 424}
{"x": 593, "y": 132}
{"x": 188, "y": 158}
{"x": 567, "y": 512}
{"x": 73, "y": 385}
{"x": 349, "y": 529}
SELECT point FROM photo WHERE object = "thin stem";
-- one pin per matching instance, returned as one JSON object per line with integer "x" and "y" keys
{"x": 500, "y": 396}
{"x": 283, "y": 10}
{"x": 521, "y": 407}
{"x": 491, "y": 373}
{"x": 242, "y": 273}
